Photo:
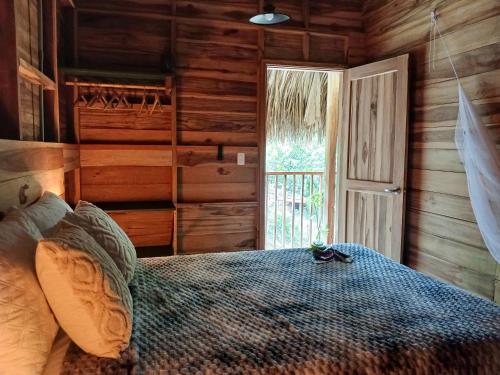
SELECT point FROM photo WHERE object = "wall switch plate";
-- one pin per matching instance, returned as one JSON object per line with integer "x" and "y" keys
{"x": 240, "y": 160}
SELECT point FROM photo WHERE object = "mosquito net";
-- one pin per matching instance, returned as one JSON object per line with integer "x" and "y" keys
{"x": 481, "y": 161}
{"x": 479, "y": 155}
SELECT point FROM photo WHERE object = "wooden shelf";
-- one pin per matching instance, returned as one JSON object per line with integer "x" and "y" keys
{"x": 36, "y": 77}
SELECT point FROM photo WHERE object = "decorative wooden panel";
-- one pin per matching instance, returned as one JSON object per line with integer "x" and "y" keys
{"x": 125, "y": 126}
{"x": 229, "y": 62}
{"x": 157, "y": 7}
{"x": 104, "y": 42}
{"x": 194, "y": 156}
{"x": 146, "y": 227}
{"x": 123, "y": 184}
{"x": 203, "y": 178}
{"x": 121, "y": 173}
{"x": 217, "y": 184}
{"x": 328, "y": 49}
{"x": 339, "y": 15}
{"x": 284, "y": 46}
{"x": 442, "y": 236}
{"x": 213, "y": 227}
{"x": 125, "y": 155}
{"x": 228, "y": 10}
{"x": 217, "y": 34}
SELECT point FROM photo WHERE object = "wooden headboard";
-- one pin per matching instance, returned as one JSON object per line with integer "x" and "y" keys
{"x": 27, "y": 169}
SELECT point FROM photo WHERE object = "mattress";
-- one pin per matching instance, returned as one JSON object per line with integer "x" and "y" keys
{"x": 277, "y": 312}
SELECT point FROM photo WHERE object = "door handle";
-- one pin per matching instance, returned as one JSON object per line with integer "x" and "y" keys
{"x": 394, "y": 191}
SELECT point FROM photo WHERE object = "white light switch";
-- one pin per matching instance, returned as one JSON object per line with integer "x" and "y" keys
{"x": 241, "y": 158}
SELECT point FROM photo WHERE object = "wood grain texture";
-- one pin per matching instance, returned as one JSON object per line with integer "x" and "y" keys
{"x": 217, "y": 184}
{"x": 373, "y": 156}
{"x": 126, "y": 183}
{"x": 125, "y": 155}
{"x": 27, "y": 44}
{"x": 194, "y": 156}
{"x": 442, "y": 237}
{"x": 146, "y": 227}
{"x": 125, "y": 126}
{"x": 373, "y": 110}
{"x": 213, "y": 227}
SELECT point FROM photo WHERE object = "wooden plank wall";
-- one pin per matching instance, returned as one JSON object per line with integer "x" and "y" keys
{"x": 442, "y": 237}
{"x": 27, "y": 41}
{"x": 217, "y": 56}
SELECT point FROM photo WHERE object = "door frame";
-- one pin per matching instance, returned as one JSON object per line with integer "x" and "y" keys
{"x": 261, "y": 137}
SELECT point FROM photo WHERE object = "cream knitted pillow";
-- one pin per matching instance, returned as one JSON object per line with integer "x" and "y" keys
{"x": 27, "y": 326}
{"x": 85, "y": 290}
{"x": 108, "y": 234}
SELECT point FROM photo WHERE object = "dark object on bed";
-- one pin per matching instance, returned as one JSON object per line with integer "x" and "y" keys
{"x": 277, "y": 312}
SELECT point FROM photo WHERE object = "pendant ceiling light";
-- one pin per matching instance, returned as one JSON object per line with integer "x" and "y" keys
{"x": 269, "y": 16}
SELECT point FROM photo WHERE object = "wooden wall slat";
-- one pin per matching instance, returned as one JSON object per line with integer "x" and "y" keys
{"x": 125, "y": 155}
{"x": 192, "y": 156}
{"x": 443, "y": 239}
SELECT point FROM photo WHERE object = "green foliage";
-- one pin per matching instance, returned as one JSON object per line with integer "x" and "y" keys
{"x": 295, "y": 157}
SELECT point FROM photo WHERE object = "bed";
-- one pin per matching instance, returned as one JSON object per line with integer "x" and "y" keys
{"x": 277, "y": 312}
{"x": 274, "y": 312}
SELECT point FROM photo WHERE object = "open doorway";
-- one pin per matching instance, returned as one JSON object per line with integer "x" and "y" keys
{"x": 302, "y": 108}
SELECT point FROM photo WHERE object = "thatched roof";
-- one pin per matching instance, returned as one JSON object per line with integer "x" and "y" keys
{"x": 296, "y": 105}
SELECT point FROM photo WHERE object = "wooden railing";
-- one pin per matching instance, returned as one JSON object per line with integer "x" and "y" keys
{"x": 294, "y": 209}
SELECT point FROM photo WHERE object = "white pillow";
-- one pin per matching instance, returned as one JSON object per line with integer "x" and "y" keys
{"x": 27, "y": 326}
{"x": 47, "y": 212}
{"x": 108, "y": 234}
{"x": 85, "y": 290}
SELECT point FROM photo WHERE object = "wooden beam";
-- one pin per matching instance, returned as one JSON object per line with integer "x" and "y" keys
{"x": 9, "y": 98}
{"x": 33, "y": 75}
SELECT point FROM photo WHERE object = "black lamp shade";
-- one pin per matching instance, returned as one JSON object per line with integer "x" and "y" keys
{"x": 269, "y": 17}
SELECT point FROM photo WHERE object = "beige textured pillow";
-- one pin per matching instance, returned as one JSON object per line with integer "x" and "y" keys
{"x": 47, "y": 212}
{"x": 108, "y": 234}
{"x": 27, "y": 326}
{"x": 85, "y": 290}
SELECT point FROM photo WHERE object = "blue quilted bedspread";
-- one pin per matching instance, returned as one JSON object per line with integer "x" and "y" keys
{"x": 277, "y": 312}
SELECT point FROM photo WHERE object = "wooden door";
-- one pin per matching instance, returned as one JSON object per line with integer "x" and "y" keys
{"x": 373, "y": 156}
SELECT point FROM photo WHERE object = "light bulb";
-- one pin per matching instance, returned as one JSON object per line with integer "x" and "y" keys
{"x": 269, "y": 16}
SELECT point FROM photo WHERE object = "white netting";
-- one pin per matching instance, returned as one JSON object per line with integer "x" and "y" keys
{"x": 479, "y": 155}
{"x": 478, "y": 152}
